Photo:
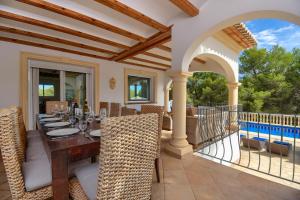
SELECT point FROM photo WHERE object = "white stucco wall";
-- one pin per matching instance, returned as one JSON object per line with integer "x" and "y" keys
{"x": 223, "y": 60}
{"x": 10, "y": 72}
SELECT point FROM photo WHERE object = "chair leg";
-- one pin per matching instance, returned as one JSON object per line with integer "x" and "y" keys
{"x": 157, "y": 169}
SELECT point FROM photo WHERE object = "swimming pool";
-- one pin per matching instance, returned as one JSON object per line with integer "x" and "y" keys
{"x": 285, "y": 131}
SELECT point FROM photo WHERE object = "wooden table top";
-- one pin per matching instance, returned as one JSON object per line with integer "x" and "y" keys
{"x": 67, "y": 143}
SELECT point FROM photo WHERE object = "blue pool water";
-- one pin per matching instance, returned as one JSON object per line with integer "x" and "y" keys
{"x": 285, "y": 131}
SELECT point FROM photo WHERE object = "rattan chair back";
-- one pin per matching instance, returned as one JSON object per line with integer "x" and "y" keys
{"x": 128, "y": 111}
{"x": 127, "y": 154}
{"x": 20, "y": 132}
{"x": 160, "y": 111}
{"x": 115, "y": 110}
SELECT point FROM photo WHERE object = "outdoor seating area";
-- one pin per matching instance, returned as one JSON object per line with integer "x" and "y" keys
{"x": 114, "y": 99}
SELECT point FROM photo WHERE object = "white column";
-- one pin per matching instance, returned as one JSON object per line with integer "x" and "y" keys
{"x": 233, "y": 93}
{"x": 178, "y": 145}
{"x": 166, "y": 99}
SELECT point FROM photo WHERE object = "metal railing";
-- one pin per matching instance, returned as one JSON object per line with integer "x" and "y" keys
{"x": 251, "y": 140}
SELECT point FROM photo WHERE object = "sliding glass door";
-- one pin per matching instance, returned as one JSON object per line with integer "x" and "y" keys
{"x": 57, "y": 82}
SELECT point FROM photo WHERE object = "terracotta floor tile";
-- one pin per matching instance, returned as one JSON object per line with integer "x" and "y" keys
{"x": 158, "y": 191}
{"x": 178, "y": 192}
{"x": 4, "y": 186}
{"x": 5, "y": 195}
{"x": 170, "y": 163}
{"x": 175, "y": 177}
{"x": 207, "y": 192}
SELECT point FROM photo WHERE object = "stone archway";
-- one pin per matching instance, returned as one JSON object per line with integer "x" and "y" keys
{"x": 220, "y": 64}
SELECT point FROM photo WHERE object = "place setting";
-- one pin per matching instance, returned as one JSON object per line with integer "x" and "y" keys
{"x": 77, "y": 123}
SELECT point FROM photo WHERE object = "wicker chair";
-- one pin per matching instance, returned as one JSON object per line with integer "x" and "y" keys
{"x": 167, "y": 122}
{"x": 127, "y": 154}
{"x": 158, "y": 110}
{"x": 15, "y": 178}
{"x": 19, "y": 133}
{"x": 115, "y": 110}
{"x": 128, "y": 111}
{"x": 52, "y": 105}
{"x": 191, "y": 111}
{"x": 104, "y": 105}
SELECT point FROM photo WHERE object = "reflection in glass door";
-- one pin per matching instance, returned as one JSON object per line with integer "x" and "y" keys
{"x": 49, "y": 87}
{"x": 75, "y": 87}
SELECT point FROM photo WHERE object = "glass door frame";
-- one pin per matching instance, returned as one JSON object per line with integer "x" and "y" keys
{"x": 91, "y": 82}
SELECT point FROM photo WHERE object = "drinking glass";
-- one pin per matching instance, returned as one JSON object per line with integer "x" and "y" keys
{"x": 91, "y": 117}
{"x": 72, "y": 120}
{"x": 82, "y": 126}
{"x": 102, "y": 114}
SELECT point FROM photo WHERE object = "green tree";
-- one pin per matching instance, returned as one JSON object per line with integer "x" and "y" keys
{"x": 206, "y": 88}
{"x": 264, "y": 80}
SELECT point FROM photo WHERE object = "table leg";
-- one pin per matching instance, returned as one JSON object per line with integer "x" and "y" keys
{"x": 60, "y": 183}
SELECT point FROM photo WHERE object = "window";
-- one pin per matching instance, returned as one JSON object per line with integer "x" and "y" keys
{"x": 139, "y": 88}
{"x": 46, "y": 90}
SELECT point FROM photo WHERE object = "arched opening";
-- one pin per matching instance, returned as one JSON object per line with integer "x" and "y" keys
{"x": 198, "y": 35}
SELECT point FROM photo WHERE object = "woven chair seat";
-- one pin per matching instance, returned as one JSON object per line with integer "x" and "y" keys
{"x": 37, "y": 174}
{"x": 35, "y": 152}
{"x": 87, "y": 177}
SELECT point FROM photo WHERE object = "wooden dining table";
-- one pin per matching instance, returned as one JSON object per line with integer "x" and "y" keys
{"x": 63, "y": 151}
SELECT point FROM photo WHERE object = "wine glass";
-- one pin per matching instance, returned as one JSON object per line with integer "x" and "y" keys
{"x": 82, "y": 126}
{"x": 102, "y": 113}
{"x": 72, "y": 120}
{"x": 91, "y": 117}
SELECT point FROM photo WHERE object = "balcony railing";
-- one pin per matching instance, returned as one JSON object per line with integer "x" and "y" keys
{"x": 267, "y": 143}
{"x": 274, "y": 119}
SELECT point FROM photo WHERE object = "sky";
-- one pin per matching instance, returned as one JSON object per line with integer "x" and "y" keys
{"x": 269, "y": 32}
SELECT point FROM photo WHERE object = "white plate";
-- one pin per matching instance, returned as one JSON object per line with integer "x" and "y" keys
{"x": 97, "y": 119}
{"x": 57, "y": 124}
{"x": 45, "y": 116}
{"x": 63, "y": 132}
{"x": 96, "y": 133}
{"x": 54, "y": 119}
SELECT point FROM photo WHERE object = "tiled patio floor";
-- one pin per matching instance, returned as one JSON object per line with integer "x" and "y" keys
{"x": 194, "y": 178}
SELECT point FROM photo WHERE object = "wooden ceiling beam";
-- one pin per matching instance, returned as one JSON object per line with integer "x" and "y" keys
{"x": 142, "y": 65}
{"x": 83, "y": 18}
{"x": 186, "y": 7}
{"x": 45, "y": 46}
{"x": 199, "y": 60}
{"x": 157, "y": 56}
{"x": 156, "y": 39}
{"x": 54, "y": 39}
{"x": 164, "y": 48}
{"x": 122, "y": 8}
{"x": 149, "y": 61}
{"x": 59, "y": 28}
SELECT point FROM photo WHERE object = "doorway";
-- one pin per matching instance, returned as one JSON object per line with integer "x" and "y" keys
{"x": 50, "y": 81}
